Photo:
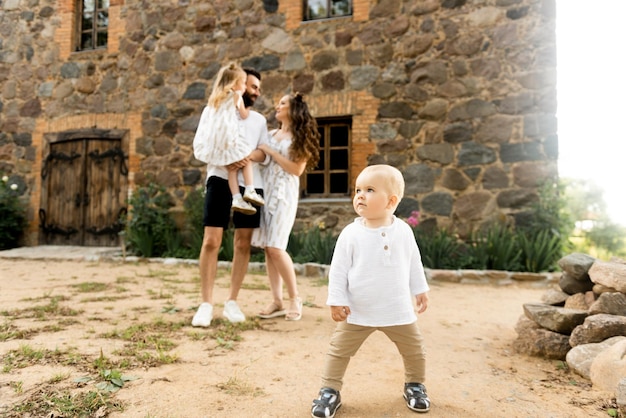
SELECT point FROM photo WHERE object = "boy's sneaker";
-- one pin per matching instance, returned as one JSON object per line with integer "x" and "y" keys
{"x": 253, "y": 197}
{"x": 242, "y": 206}
{"x": 203, "y": 316}
{"x": 326, "y": 404}
{"x": 416, "y": 398}
{"x": 232, "y": 312}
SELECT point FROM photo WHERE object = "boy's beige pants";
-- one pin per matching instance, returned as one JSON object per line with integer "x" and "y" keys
{"x": 347, "y": 339}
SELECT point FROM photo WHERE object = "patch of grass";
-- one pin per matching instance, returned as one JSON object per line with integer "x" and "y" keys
{"x": 255, "y": 286}
{"x": 44, "y": 312}
{"x": 59, "y": 377}
{"x": 148, "y": 343}
{"x": 26, "y": 355}
{"x": 125, "y": 280}
{"x": 239, "y": 387}
{"x": 104, "y": 299}
{"x": 17, "y": 386}
{"x": 65, "y": 404}
{"x": 160, "y": 295}
{"x": 226, "y": 333}
{"x": 9, "y": 331}
{"x": 86, "y": 287}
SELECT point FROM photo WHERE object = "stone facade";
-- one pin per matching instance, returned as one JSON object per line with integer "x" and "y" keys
{"x": 458, "y": 94}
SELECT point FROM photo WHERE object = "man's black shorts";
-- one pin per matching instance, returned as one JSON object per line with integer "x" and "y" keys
{"x": 217, "y": 204}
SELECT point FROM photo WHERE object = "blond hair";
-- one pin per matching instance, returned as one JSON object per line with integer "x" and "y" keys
{"x": 391, "y": 177}
{"x": 224, "y": 83}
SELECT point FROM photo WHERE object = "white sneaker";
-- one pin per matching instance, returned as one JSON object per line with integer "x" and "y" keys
{"x": 242, "y": 206}
{"x": 232, "y": 312}
{"x": 253, "y": 197}
{"x": 203, "y": 316}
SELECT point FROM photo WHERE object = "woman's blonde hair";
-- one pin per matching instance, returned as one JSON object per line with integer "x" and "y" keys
{"x": 224, "y": 83}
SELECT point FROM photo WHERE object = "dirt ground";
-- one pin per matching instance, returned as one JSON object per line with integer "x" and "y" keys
{"x": 65, "y": 324}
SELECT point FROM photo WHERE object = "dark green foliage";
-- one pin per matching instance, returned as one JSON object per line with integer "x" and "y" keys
{"x": 151, "y": 231}
{"x": 194, "y": 230}
{"x": 12, "y": 215}
{"x": 439, "y": 248}
{"x": 540, "y": 252}
{"x": 494, "y": 249}
{"x": 227, "y": 250}
{"x": 314, "y": 245}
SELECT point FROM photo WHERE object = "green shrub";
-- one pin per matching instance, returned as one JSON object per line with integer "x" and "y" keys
{"x": 439, "y": 249}
{"x": 150, "y": 230}
{"x": 227, "y": 250}
{"x": 12, "y": 214}
{"x": 194, "y": 229}
{"x": 540, "y": 252}
{"x": 312, "y": 246}
{"x": 494, "y": 249}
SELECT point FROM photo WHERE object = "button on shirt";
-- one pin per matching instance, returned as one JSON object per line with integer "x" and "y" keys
{"x": 377, "y": 272}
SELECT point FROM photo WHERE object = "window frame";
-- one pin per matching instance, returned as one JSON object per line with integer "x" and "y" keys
{"x": 325, "y": 150}
{"x": 95, "y": 29}
{"x": 307, "y": 18}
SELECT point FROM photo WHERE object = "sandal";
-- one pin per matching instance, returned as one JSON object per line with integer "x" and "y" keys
{"x": 295, "y": 315}
{"x": 271, "y": 311}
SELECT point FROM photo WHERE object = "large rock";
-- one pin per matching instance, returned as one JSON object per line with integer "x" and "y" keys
{"x": 572, "y": 285}
{"x": 576, "y": 265}
{"x": 613, "y": 303}
{"x": 555, "y": 318}
{"x": 610, "y": 274}
{"x": 580, "y": 357}
{"x": 556, "y": 297}
{"x": 598, "y": 328}
{"x": 609, "y": 367}
{"x": 536, "y": 341}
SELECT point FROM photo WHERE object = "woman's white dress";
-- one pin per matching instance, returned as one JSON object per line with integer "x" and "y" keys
{"x": 281, "y": 200}
{"x": 221, "y": 138}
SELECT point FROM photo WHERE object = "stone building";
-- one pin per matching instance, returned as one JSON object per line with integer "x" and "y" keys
{"x": 101, "y": 97}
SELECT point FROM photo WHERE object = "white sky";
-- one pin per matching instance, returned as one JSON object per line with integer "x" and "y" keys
{"x": 591, "y": 92}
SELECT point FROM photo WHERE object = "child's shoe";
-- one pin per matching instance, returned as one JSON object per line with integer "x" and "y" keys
{"x": 253, "y": 197}
{"x": 416, "y": 398}
{"x": 326, "y": 404}
{"x": 242, "y": 206}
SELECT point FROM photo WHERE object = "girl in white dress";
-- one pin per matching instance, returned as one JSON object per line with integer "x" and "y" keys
{"x": 293, "y": 148}
{"x": 220, "y": 137}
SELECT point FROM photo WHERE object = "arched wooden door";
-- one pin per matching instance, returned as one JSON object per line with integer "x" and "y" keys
{"x": 84, "y": 189}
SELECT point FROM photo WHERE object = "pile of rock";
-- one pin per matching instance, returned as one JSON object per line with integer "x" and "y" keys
{"x": 582, "y": 321}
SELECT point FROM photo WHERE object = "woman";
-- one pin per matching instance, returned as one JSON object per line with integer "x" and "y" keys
{"x": 293, "y": 148}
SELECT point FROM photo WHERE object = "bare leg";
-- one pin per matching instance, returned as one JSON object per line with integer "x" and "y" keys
{"x": 284, "y": 265}
{"x": 248, "y": 175}
{"x": 276, "y": 282}
{"x": 241, "y": 258}
{"x": 233, "y": 183}
{"x": 211, "y": 243}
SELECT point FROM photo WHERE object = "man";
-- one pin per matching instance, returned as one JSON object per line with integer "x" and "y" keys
{"x": 217, "y": 205}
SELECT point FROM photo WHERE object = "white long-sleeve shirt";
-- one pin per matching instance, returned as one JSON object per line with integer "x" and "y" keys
{"x": 377, "y": 272}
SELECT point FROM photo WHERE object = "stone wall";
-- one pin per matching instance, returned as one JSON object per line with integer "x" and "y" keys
{"x": 458, "y": 94}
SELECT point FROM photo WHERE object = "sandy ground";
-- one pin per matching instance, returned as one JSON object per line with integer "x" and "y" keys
{"x": 80, "y": 309}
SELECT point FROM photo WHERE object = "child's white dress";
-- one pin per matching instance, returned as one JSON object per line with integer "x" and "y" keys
{"x": 220, "y": 137}
{"x": 281, "y": 200}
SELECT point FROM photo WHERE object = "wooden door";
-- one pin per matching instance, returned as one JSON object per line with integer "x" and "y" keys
{"x": 105, "y": 192}
{"x": 84, "y": 185}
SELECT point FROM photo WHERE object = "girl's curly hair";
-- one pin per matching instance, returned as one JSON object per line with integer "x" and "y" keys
{"x": 306, "y": 137}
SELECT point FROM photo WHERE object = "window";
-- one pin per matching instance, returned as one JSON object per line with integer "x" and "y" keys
{"x": 324, "y": 9}
{"x": 93, "y": 24}
{"x": 331, "y": 177}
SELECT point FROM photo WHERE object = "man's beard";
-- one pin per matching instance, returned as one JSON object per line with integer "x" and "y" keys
{"x": 248, "y": 101}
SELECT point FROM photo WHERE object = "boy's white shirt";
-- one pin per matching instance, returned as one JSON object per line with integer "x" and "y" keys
{"x": 256, "y": 133}
{"x": 377, "y": 272}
